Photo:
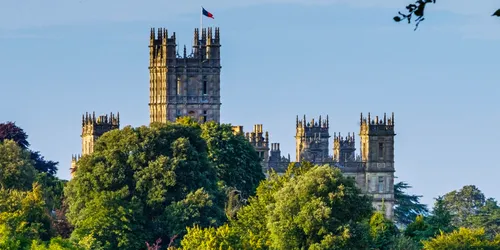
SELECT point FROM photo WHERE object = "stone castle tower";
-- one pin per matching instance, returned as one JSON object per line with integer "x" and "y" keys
{"x": 260, "y": 142}
{"x": 312, "y": 140}
{"x": 344, "y": 148}
{"x": 377, "y": 154}
{"x": 92, "y": 128}
{"x": 187, "y": 85}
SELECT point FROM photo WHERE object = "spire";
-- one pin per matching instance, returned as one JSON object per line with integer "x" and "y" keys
{"x": 327, "y": 122}
{"x": 185, "y": 52}
{"x": 297, "y": 121}
{"x": 392, "y": 118}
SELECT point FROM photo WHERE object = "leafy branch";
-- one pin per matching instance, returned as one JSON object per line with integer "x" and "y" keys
{"x": 416, "y": 9}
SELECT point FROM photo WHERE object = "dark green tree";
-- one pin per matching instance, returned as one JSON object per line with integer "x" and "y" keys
{"x": 10, "y": 131}
{"x": 487, "y": 217}
{"x": 407, "y": 206}
{"x": 464, "y": 204}
{"x": 141, "y": 184}
{"x": 234, "y": 158}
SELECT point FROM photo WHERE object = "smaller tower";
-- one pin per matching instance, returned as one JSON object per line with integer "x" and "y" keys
{"x": 312, "y": 140}
{"x": 344, "y": 148}
{"x": 92, "y": 128}
{"x": 260, "y": 142}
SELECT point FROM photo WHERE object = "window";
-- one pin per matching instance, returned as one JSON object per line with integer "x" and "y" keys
{"x": 205, "y": 87}
{"x": 204, "y": 117}
{"x": 381, "y": 151}
{"x": 381, "y": 184}
{"x": 179, "y": 86}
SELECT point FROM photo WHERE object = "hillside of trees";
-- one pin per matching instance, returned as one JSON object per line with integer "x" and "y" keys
{"x": 186, "y": 185}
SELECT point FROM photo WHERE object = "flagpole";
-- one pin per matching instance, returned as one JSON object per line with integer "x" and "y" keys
{"x": 201, "y": 20}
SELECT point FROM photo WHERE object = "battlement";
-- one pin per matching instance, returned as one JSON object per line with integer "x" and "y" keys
{"x": 257, "y": 138}
{"x": 312, "y": 125}
{"x": 344, "y": 142}
{"x": 92, "y": 125}
{"x": 377, "y": 126}
{"x": 162, "y": 46}
{"x": 75, "y": 158}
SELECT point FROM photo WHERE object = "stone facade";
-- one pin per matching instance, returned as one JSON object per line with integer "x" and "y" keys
{"x": 187, "y": 85}
{"x": 373, "y": 170}
{"x": 92, "y": 128}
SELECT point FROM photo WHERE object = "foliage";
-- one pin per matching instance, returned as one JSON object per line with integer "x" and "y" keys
{"x": 141, "y": 184}
{"x": 234, "y": 158}
{"x": 55, "y": 244}
{"x": 487, "y": 217}
{"x": 224, "y": 237}
{"x": 16, "y": 167}
{"x": 463, "y": 238}
{"x": 382, "y": 231}
{"x": 401, "y": 242}
{"x": 407, "y": 206}
{"x": 464, "y": 204}
{"x": 10, "y": 131}
{"x": 416, "y": 9}
{"x": 23, "y": 218}
{"x": 309, "y": 207}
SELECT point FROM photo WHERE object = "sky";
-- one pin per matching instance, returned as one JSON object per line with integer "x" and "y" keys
{"x": 280, "y": 58}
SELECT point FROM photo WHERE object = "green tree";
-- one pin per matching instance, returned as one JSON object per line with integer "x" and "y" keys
{"x": 16, "y": 167}
{"x": 463, "y": 204}
{"x": 463, "y": 238}
{"x": 10, "y": 131}
{"x": 23, "y": 218}
{"x": 382, "y": 231}
{"x": 234, "y": 158}
{"x": 407, "y": 206}
{"x": 141, "y": 184}
{"x": 401, "y": 242}
{"x": 224, "y": 237}
{"x": 488, "y": 217}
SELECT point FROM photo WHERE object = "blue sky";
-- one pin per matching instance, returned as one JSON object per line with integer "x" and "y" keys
{"x": 280, "y": 58}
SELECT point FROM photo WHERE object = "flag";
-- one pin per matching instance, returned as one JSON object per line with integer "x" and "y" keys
{"x": 207, "y": 14}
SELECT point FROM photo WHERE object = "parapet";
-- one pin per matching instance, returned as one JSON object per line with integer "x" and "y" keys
{"x": 99, "y": 125}
{"x": 237, "y": 129}
{"x": 323, "y": 124}
{"x": 369, "y": 125}
{"x": 344, "y": 142}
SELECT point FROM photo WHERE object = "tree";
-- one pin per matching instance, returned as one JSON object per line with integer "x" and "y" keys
{"x": 463, "y": 204}
{"x": 463, "y": 238}
{"x": 23, "y": 218}
{"x": 382, "y": 231}
{"x": 416, "y": 9}
{"x": 309, "y": 207}
{"x": 16, "y": 167}
{"x": 487, "y": 217}
{"x": 10, "y": 131}
{"x": 234, "y": 158}
{"x": 141, "y": 184}
{"x": 407, "y": 207}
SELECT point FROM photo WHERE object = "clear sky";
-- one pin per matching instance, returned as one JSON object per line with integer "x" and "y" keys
{"x": 280, "y": 58}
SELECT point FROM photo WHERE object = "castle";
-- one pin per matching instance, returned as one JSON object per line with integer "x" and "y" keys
{"x": 189, "y": 85}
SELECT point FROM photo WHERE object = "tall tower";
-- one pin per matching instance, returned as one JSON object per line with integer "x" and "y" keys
{"x": 344, "y": 148}
{"x": 92, "y": 129}
{"x": 377, "y": 153}
{"x": 312, "y": 140}
{"x": 187, "y": 85}
{"x": 260, "y": 143}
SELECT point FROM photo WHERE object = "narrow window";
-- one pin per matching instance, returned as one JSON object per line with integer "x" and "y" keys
{"x": 179, "y": 86}
{"x": 381, "y": 151}
{"x": 204, "y": 117}
{"x": 381, "y": 184}
{"x": 205, "y": 89}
